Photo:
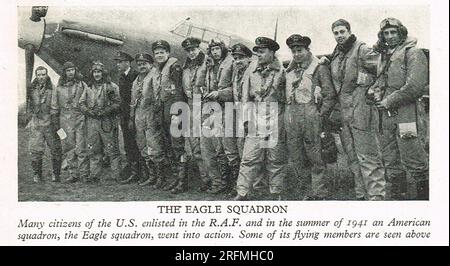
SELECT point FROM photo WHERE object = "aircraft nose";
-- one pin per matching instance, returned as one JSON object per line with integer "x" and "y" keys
{"x": 30, "y": 33}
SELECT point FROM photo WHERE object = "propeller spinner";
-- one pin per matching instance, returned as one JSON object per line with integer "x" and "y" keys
{"x": 31, "y": 32}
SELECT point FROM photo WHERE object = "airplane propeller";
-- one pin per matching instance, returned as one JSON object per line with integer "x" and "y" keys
{"x": 29, "y": 65}
{"x": 37, "y": 13}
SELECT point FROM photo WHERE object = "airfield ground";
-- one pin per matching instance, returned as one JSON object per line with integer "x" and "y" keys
{"x": 109, "y": 190}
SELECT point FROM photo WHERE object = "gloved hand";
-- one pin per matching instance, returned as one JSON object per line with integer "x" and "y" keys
{"x": 212, "y": 96}
{"x": 318, "y": 95}
{"x": 324, "y": 61}
{"x": 209, "y": 61}
{"x": 381, "y": 104}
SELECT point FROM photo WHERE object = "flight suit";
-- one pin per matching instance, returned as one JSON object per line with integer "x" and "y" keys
{"x": 237, "y": 82}
{"x": 149, "y": 136}
{"x": 352, "y": 72}
{"x": 65, "y": 102}
{"x": 220, "y": 149}
{"x": 234, "y": 94}
{"x": 101, "y": 104}
{"x": 262, "y": 86}
{"x": 167, "y": 89}
{"x": 129, "y": 134}
{"x": 43, "y": 130}
{"x": 304, "y": 117}
{"x": 191, "y": 75}
{"x": 404, "y": 75}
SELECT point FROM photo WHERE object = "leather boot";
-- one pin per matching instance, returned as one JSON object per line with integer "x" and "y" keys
{"x": 182, "y": 184}
{"x": 56, "y": 165}
{"x": 423, "y": 190}
{"x": 216, "y": 189}
{"x": 399, "y": 187}
{"x": 37, "y": 170}
{"x": 275, "y": 196}
{"x": 73, "y": 177}
{"x": 203, "y": 174}
{"x": 150, "y": 178}
{"x": 231, "y": 184}
{"x": 133, "y": 176}
{"x": 160, "y": 176}
{"x": 204, "y": 186}
{"x": 240, "y": 198}
{"x": 174, "y": 176}
{"x": 225, "y": 171}
{"x": 225, "y": 175}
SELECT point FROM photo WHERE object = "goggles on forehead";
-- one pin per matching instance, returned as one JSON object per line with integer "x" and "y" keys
{"x": 97, "y": 65}
{"x": 390, "y": 22}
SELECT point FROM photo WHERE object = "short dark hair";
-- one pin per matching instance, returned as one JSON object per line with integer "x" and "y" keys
{"x": 40, "y": 68}
{"x": 341, "y": 22}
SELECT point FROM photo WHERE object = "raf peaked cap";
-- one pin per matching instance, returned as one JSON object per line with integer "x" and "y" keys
{"x": 298, "y": 40}
{"x": 122, "y": 56}
{"x": 144, "y": 57}
{"x": 239, "y": 48}
{"x": 161, "y": 44}
{"x": 264, "y": 42}
{"x": 191, "y": 43}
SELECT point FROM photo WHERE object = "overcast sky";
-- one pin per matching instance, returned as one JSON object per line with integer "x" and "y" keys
{"x": 251, "y": 22}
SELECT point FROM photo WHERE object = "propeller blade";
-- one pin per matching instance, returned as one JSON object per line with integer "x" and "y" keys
{"x": 29, "y": 66}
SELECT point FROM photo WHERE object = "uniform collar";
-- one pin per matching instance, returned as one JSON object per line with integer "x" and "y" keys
{"x": 198, "y": 61}
{"x": 345, "y": 48}
{"x": 127, "y": 71}
{"x": 161, "y": 66}
{"x": 274, "y": 65}
{"x": 303, "y": 65}
{"x": 398, "y": 51}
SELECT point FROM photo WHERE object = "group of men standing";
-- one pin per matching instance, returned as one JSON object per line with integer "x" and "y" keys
{"x": 370, "y": 96}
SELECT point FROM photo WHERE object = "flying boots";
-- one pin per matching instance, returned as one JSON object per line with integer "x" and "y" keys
{"x": 37, "y": 170}
{"x": 399, "y": 187}
{"x": 150, "y": 173}
{"x": 182, "y": 184}
{"x": 56, "y": 164}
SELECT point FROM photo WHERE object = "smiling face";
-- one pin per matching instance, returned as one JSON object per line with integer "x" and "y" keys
{"x": 341, "y": 34}
{"x": 265, "y": 55}
{"x": 300, "y": 54}
{"x": 97, "y": 74}
{"x": 161, "y": 55}
{"x": 391, "y": 36}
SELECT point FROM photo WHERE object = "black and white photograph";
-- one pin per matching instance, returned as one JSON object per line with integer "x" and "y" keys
{"x": 246, "y": 123}
{"x": 102, "y": 90}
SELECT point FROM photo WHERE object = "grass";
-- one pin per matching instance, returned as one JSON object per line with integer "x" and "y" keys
{"x": 108, "y": 190}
